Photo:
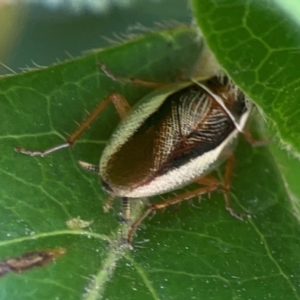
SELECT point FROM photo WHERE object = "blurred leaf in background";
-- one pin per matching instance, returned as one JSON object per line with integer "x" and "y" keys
{"x": 53, "y": 33}
{"x": 12, "y": 20}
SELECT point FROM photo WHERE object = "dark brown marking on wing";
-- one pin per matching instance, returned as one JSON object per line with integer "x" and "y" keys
{"x": 210, "y": 128}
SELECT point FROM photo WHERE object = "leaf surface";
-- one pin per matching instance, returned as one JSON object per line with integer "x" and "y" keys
{"x": 196, "y": 252}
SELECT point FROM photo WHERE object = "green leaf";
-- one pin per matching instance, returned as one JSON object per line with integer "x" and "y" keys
{"x": 196, "y": 252}
{"x": 257, "y": 43}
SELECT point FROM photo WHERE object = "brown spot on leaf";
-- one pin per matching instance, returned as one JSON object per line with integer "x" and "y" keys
{"x": 30, "y": 260}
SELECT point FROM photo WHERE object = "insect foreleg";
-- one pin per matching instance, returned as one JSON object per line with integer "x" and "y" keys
{"x": 122, "y": 108}
{"x": 134, "y": 81}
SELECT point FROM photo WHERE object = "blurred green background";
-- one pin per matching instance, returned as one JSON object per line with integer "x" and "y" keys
{"x": 44, "y": 34}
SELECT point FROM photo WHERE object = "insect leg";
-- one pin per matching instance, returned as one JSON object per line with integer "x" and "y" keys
{"x": 226, "y": 188}
{"x": 212, "y": 185}
{"x": 209, "y": 184}
{"x": 255, "y": 142}
{"x": 121, "y": 105}
{"x": 134, "y": 81}
{"x": 89, "y": 167}
{"x": 125, "y": 209}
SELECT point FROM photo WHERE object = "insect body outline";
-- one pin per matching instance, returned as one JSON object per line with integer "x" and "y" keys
{"x": 185, "y": 132}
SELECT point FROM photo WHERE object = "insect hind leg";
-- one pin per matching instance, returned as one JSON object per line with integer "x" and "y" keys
{"x": 226, "y": 189}
{"x": 208, "y": 184}
{"x": 171, "y": 201}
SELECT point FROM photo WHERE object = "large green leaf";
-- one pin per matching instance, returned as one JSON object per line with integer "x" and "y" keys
{"x": 257, "y": 42}
{"x": 196, "y": 252}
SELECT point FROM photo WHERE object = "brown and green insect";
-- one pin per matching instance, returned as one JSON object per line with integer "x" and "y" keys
{"x": 172, "y": 137}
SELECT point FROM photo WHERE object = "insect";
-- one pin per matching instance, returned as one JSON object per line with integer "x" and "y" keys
{"x": 174, "y": 136}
